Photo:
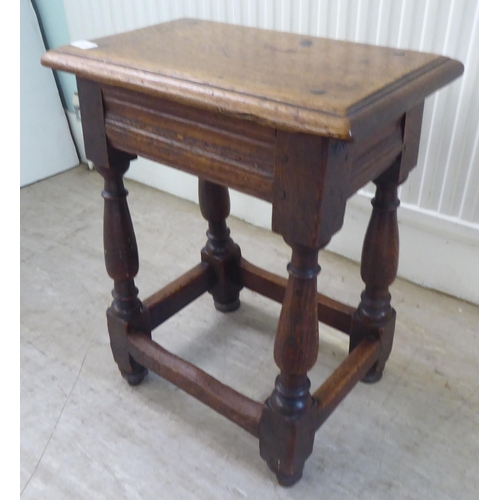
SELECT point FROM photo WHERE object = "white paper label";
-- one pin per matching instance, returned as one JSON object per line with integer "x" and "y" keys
{"x": 84, "y": 44}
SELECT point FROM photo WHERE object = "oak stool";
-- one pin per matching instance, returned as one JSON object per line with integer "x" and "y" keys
{"x": 298, "y": 121}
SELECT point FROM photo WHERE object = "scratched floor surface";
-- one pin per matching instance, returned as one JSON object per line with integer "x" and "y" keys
{"x": 85, "y": 434}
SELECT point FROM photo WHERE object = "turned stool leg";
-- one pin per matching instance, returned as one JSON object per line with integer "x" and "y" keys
{"x": 379, "y": 263}
{"x": 122, "y": 263}
{"x": 220, "y": 251}
{"x": 288, "y": 422}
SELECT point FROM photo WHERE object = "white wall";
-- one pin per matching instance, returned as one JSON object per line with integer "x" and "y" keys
{"x": 439, "y": 215}
{"x": 46, "y": 144}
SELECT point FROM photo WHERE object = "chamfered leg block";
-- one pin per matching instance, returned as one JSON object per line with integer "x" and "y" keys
{"x": 220, "y": 250}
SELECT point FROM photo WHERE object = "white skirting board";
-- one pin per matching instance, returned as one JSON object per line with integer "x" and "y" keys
{"x": 435, "y": 253}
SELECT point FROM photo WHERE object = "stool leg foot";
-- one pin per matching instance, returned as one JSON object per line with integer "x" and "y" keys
{"x": 287, "y": 428}
{"x": 288, "y": 422}
{"x": 379, "y": 263}
{"x": 383, "y": 331}
{"x": 287, "y": 481}
{"x": 135, "y": 378}
{"x": 220, "y": 251}
{"x": 122, "y": 264}
{"x": 225, "y": 308}
{"x": 372, "y": 376}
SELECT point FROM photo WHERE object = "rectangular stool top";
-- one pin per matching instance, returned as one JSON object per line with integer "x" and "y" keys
{"x": 292, "y": 82}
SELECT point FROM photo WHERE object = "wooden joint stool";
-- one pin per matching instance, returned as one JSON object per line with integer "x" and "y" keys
{"x": 298, "y": 121}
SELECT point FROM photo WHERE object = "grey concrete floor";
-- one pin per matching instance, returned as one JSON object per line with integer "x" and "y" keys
{"x": 85, "y": 434}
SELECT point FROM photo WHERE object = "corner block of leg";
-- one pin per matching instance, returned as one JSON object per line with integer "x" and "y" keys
{"x": 226, "y": 292}
{"x": 384, "y": 332}
{"x": 286, "y": 441}
{"x": 118, "y": 328}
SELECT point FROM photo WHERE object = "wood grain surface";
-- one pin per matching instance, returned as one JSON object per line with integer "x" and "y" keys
{"x": 288, "y": 81}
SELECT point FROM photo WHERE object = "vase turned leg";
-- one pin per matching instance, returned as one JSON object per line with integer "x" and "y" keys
{"x": 126, "y": 312}
{"x": 220, "y": 251}
{"x": 379, "y": 263}
{"x": 287, "y": 426}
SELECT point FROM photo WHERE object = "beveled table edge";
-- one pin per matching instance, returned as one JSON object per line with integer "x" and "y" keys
{"x": 284, "y": 116}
